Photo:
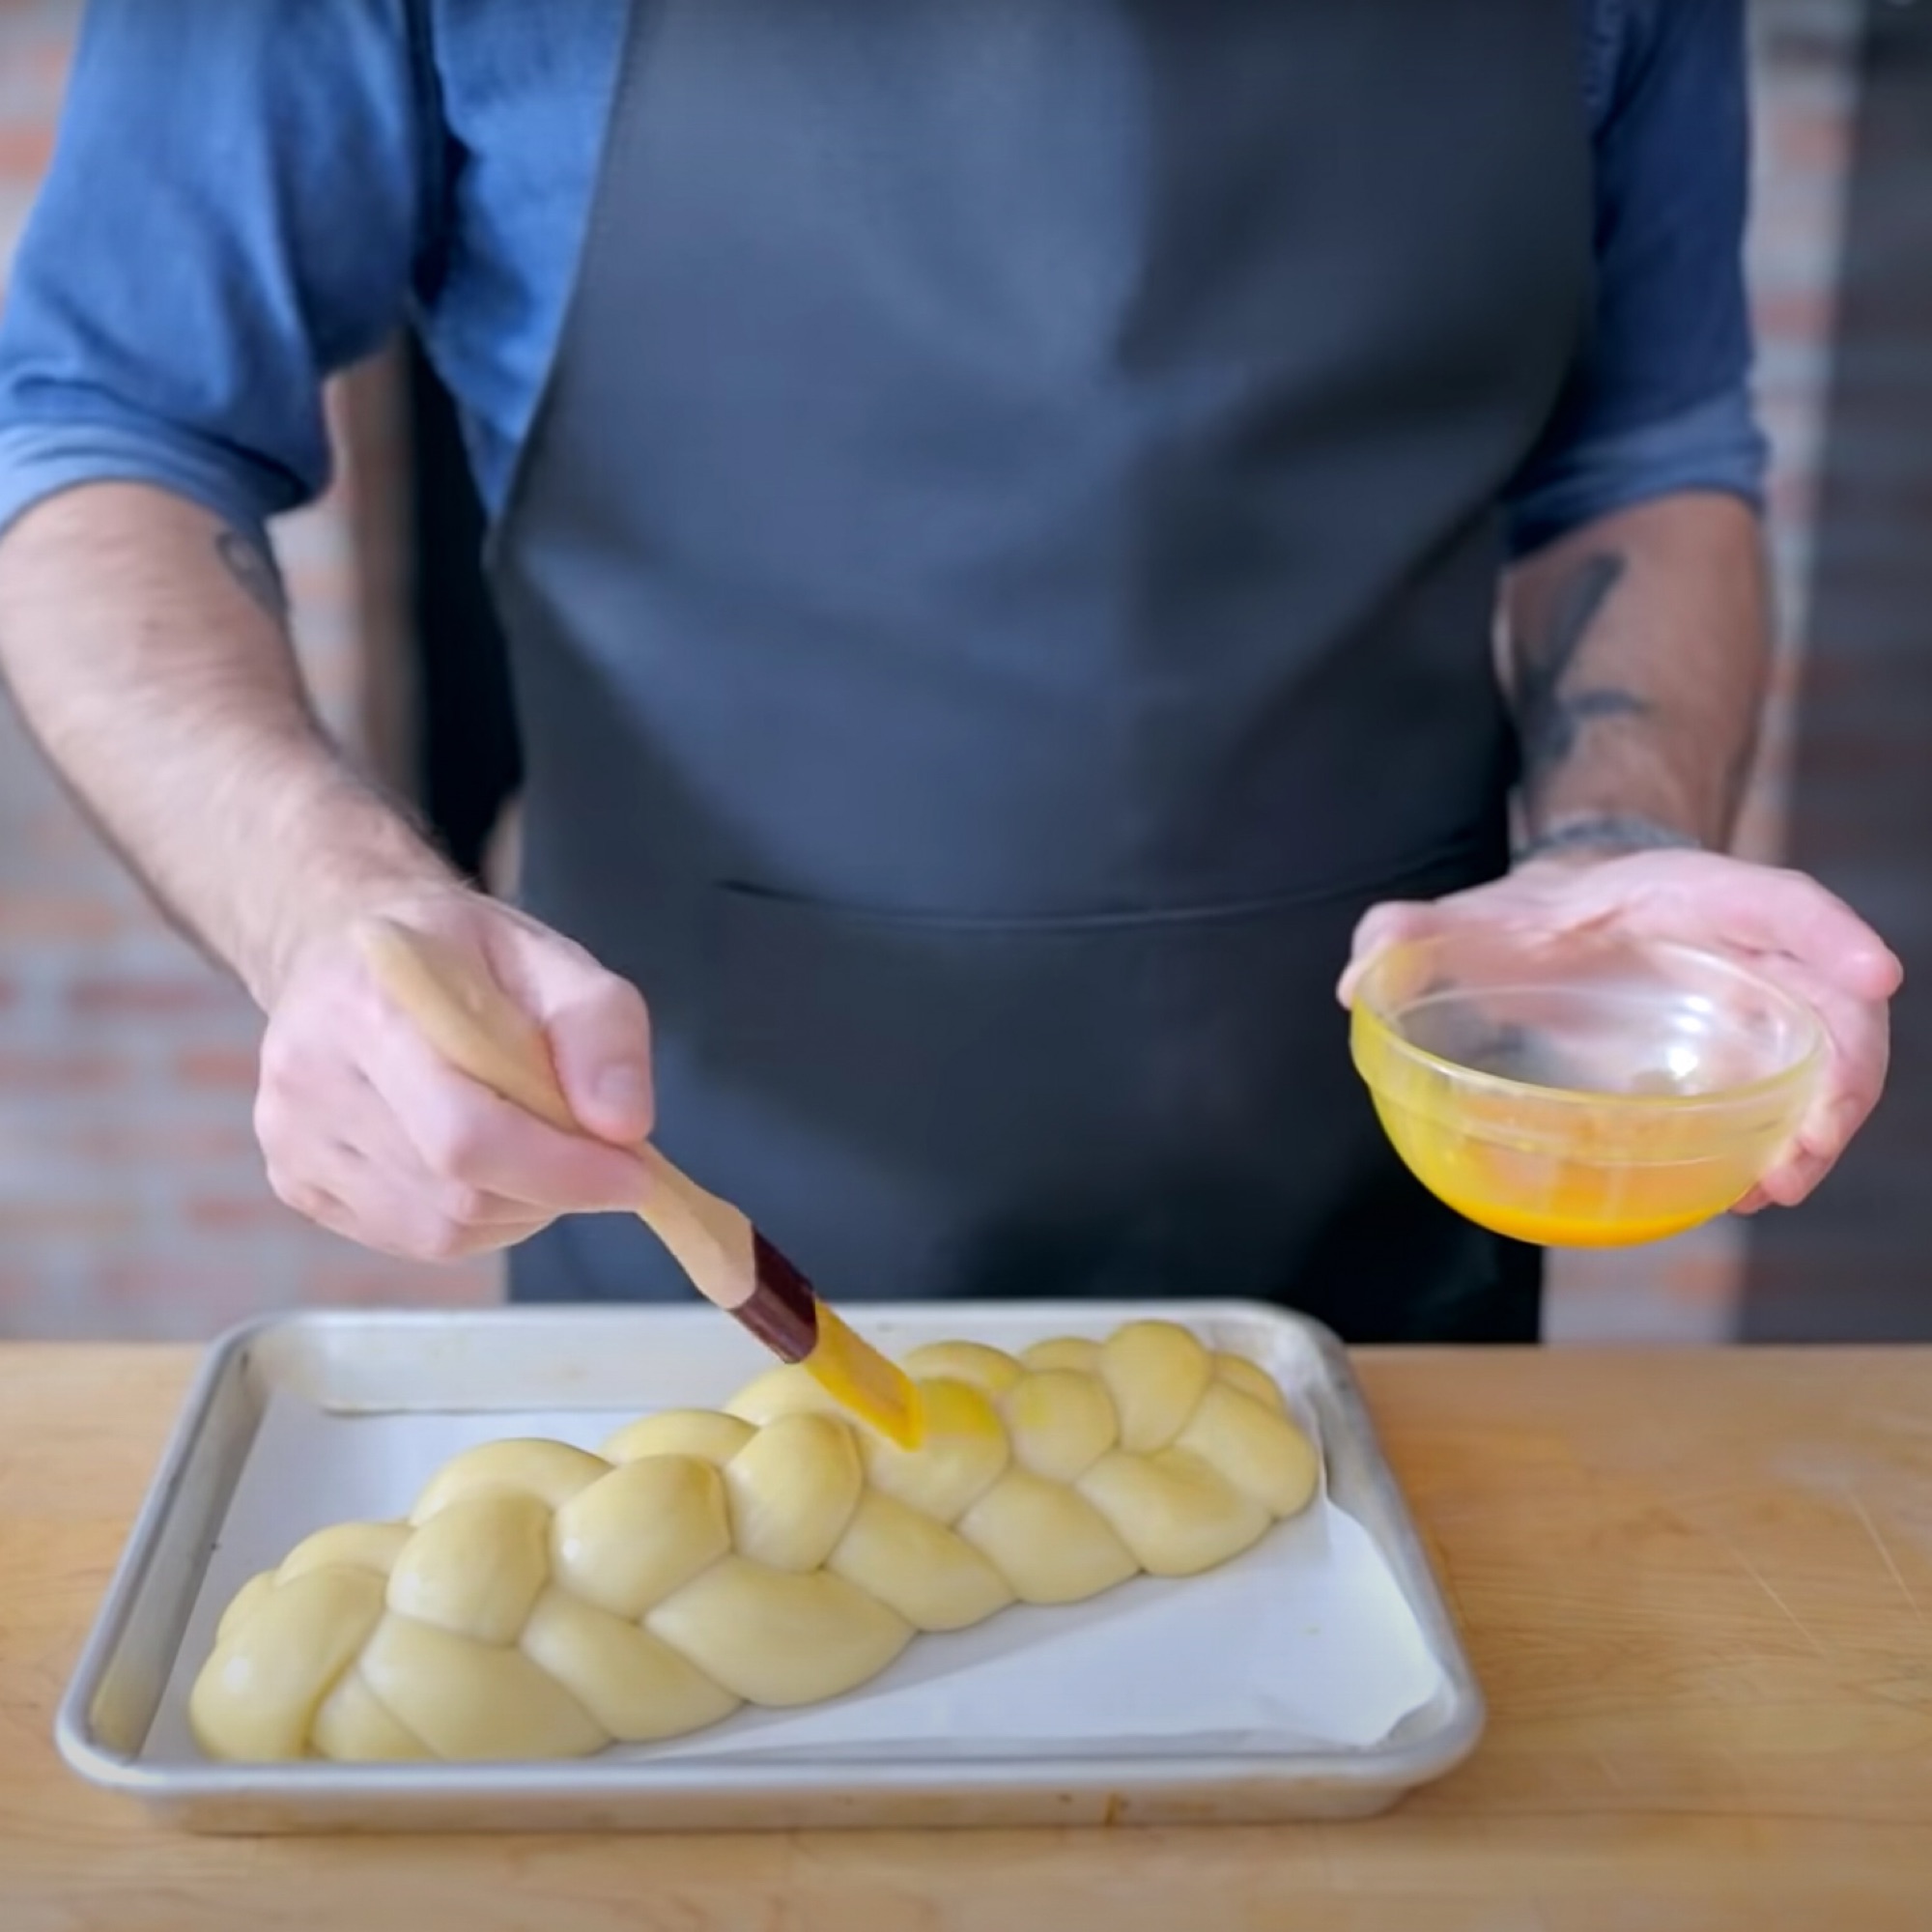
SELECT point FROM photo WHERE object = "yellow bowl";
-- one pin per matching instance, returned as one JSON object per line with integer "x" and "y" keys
{"x": 1582, "y": 1091}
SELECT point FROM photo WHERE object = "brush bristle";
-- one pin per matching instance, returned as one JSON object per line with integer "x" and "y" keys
{"x": 862, "y": 1380}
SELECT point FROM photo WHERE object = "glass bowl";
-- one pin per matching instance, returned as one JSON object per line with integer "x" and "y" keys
{"x": 1585, "y": 1090}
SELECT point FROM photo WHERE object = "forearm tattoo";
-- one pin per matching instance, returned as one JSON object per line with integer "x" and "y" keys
{"x": 1610, "y": 832}
{"x": 1551, "y": 716}
{"x": 253, "y": 571}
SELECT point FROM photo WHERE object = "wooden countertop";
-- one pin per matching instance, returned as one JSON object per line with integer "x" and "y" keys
{"x": 1696, "y": 1586}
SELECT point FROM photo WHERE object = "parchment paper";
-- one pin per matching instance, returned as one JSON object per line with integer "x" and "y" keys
{"x": 1305, "y": 1642}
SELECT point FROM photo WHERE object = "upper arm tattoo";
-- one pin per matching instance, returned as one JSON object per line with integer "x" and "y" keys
{"x": 1551, "y": 716}
{"x": 253, "y": 571}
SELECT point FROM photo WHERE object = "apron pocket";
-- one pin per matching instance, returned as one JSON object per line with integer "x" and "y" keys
{"x": 1143, "y": 1104}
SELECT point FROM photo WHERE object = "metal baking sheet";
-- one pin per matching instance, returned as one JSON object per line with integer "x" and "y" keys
{"x": 625, "y": 1360}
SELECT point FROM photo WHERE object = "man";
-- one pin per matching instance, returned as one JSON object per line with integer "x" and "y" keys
{"x": 998, "y": 511}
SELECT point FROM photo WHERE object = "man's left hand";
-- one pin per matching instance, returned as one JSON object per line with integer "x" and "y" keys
{"x": 1784, "y": 924}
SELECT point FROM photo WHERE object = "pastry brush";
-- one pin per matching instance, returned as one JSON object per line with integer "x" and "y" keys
{"x": 482, "y": 1033}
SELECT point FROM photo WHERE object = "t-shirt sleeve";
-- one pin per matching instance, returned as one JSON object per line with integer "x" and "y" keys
{"x": 234, "y": 210}
{"x": 1660, "y": 398}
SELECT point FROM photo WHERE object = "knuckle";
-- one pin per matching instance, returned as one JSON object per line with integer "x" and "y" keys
{"x": 1806, "y": 894}
{"x": 570, "y": 952}
{"x": 283, "y": 1182}
{"x": 626, "y": 1000}
{"x": 439, "y": 1241}
{"x": 442, "y": 1239}
{"x": 281, "y": 1057}
{"x": 461, "y": 1206}
{"x": 301, "y": 1196}
{"x": 608, "y": 996}
{"x": 453, "y": 1141}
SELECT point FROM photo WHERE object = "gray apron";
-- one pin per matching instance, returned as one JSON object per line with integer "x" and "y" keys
{"x": 1001, "y": 578}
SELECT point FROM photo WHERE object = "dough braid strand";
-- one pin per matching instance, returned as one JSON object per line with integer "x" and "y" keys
{"x": 541, "y": 1601}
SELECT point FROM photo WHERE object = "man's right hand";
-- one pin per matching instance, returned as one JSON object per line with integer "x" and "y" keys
{"x": 367, "y": 1131}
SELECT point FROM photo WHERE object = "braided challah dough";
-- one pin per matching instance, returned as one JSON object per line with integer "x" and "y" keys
{"x": 541, "y": 1601}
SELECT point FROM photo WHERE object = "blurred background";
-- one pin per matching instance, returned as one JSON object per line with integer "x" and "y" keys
{"x": 131, "y": 1197}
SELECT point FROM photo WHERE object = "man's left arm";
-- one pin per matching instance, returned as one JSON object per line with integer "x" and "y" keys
{"x": 1636, "y": 656}
{"x": 1636, "y": 615}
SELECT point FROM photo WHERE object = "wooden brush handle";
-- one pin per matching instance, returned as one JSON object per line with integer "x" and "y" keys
{"x": 481, "y": 1032}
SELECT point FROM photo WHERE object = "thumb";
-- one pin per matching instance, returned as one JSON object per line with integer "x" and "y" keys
{"x": 600, "y": 1040}
{"x": 1379, "y": 928}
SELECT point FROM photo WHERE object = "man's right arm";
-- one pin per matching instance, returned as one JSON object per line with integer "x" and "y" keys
{"x": 144, "y": 641}
{"x": 234, "y": 210}
{"x": 201, "y": 259}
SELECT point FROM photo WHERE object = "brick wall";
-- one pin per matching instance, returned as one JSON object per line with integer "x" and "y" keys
{"x": 1852, "y": 1266}
{"x": 131, "y": 1195}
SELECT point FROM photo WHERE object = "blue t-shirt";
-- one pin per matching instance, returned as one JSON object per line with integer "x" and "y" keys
{"x": 247, "y": 197}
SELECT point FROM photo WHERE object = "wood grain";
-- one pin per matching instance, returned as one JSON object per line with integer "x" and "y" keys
{"x": 1697, "y": 1587}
